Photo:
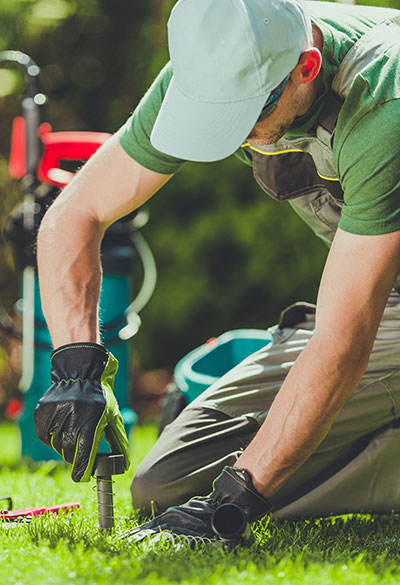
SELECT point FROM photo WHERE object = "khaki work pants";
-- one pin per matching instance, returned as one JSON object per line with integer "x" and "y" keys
{"x": 355, "y": 469}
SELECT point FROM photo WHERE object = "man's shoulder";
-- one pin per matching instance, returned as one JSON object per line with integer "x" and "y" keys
{"x": 135, "y": 133}
{"x": 342, "y": 25}
{"x": 374, "y": 95}
{"x": 344, "y": 14}
{"x": 367, "y": 76}
{"x": 156, "y": 92}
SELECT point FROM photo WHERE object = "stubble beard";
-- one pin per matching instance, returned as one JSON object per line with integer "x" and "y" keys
{"x": 277, "y": 133}
{"x": 280, "y": 130}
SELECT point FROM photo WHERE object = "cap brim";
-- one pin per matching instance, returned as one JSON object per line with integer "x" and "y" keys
{"x": 202, "y": 131}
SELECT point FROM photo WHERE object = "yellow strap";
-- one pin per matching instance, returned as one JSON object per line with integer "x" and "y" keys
{"x": 246, "y": 144}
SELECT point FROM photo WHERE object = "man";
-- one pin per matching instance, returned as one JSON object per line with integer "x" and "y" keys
{"x": 307, "y": 424}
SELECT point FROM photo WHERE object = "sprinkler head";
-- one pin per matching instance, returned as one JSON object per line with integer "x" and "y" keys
{"x": 105, "y": 466}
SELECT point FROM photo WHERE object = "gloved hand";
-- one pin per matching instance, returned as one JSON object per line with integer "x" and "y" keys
{"x": 224, "y": 515}
{"x": 80, "y": 406}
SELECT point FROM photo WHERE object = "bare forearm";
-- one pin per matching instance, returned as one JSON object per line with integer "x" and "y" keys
{"x": 70, "y": 276}
{"x": 109, "y": 186}
{"x": 301, "y": 415}
{"x": 356, "y": 283}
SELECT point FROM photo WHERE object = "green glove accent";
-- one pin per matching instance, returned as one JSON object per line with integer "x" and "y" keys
{"x": 80, "y": 406}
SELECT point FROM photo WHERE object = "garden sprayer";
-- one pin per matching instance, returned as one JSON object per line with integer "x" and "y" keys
{"x": 42, "y": 161}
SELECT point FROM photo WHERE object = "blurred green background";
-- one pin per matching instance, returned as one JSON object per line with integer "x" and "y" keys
{"x": 227, "y": 255}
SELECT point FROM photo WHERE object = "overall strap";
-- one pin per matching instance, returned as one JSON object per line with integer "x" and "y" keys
{"x": 354, "y": 60}
{"x": 328, "y": 118}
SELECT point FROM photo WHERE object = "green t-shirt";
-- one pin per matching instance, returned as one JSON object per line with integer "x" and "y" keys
{"x": 366, "y": 149}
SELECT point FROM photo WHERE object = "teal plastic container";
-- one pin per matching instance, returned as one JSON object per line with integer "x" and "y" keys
{"x": 200, "y": 368}
{"x": 115, "y": 297}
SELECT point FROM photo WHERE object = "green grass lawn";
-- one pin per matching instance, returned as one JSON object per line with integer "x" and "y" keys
{"x": 69, "y": 548}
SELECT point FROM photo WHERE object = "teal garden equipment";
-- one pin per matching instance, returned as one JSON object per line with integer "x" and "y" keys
{"x": 38, "y": 158}
{"x": 201, "y": 367}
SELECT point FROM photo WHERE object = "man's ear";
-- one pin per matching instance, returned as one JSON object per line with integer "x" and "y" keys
{"x": 309, "y": 65}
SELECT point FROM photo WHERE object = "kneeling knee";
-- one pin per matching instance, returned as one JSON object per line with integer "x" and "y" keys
{"x": 154, "y": 489}
{"x": 145, "y": 491}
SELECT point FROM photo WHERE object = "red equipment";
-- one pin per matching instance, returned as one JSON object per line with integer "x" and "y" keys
{"x": 56, "y": 148}
{"x": 14, "y": 515}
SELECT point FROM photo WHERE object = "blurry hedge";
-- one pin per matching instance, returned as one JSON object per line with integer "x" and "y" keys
{"x": 227, "y": 255}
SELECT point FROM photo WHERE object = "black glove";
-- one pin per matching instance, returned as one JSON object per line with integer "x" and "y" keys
{"x": 223, "y": 515}
{"x": 80, "y": 406}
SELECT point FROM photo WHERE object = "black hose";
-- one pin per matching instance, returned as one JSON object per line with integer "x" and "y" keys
{"x": 229, "y": 521}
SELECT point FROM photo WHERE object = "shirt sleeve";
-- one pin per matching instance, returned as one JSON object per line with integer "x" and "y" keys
{"x": 368, "y": 164}
{"x": 134, "y": 135}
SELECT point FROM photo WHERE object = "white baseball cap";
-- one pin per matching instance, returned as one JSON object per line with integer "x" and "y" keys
{"x": 227, "y": 56}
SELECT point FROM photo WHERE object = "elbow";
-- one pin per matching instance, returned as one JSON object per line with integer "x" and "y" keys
{"x": 64, "y": 223}
{"x": 47, "y": 227}
{"x": 345, "y": 357}
{"x": 51, "y": 228}
{"x": 356, "y": 361}
{"x": 52, "y": 219}
{"x": 353, "y": 352}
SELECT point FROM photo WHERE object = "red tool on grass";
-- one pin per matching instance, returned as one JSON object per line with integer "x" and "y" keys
{"x": 10, "y": 515}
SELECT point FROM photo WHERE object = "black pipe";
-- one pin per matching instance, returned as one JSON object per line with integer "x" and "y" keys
{"x": 229, "y": 522}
